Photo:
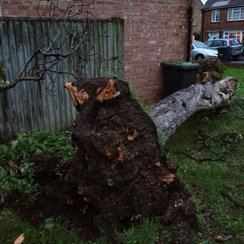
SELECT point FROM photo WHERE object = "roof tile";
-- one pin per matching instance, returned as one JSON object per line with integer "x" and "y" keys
{"x": 222, "y": 3}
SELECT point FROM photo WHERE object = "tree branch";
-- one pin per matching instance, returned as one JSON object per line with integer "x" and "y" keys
{"x": 59, "y": 47}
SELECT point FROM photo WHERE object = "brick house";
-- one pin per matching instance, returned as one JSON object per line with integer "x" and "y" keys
{"x": 155, "y": 31}
{"x": 223, "y": 19}
{"x": 197, "y": 19}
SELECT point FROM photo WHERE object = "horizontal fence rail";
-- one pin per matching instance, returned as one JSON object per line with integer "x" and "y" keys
{"x": 46, "y": 106}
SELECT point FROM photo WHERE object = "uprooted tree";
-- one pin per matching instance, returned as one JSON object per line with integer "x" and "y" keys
{"x": 118, "y": 169}
{"x": 118, "y": 174}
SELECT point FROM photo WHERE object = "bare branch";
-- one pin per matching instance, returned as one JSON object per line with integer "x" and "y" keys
{"x": 6, "y": 85}
{"x": 58, "y": 47}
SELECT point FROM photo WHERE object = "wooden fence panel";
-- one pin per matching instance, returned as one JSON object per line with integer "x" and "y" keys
{"x": 35, "y": 106}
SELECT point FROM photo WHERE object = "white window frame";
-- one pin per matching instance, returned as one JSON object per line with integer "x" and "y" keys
{"x": 235, "y": 14}
{"x": 239, "y": 34}
{"x": 215, "y": 15}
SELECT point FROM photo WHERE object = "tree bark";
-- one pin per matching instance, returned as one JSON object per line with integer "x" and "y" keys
{"x": 172, "y": 111}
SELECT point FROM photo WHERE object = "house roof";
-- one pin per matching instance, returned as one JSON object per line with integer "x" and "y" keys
{"x": 213, "y": 4}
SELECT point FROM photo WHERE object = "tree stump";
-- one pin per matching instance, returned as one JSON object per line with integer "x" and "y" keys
{"x": 118, "y": 169}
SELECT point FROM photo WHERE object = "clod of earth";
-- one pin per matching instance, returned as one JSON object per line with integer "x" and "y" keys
{"x": 118, "y": 171}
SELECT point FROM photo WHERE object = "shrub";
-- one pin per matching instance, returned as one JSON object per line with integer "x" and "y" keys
{"x": 16, "y": 160}
{"x": 211, "y": 70}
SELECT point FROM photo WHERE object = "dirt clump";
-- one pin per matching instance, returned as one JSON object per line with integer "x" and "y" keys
{"x": 118, "y": 168}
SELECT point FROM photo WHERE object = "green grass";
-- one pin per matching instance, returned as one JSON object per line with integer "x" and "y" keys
{"x": 144, "y": 233}
{"x": 237, "y": 73}
{"x": 209, "y": 148}
{"x": 209, "y": 151}
{"x": 47, "y": 233}
{"x": 50, "y": 232}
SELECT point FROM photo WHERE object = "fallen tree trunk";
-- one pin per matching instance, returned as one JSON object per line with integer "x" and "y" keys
{"x": 172, "y": 111}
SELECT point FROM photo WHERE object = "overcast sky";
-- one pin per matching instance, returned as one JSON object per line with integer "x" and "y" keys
{"x": 204, "y": 1}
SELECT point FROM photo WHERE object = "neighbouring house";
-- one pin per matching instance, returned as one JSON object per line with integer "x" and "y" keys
{"x": 197, "y": 19}
{"x": 223, "y": 19}
{"x": 154, "y": 32}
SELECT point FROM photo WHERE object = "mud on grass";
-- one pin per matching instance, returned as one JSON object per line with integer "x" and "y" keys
{"x": 52, "y": 201}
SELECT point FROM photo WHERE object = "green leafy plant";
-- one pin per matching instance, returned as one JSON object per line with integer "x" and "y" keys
{"x": 16, "y": 160}
{"x": 211, "y": 70}
{"x": 49, "y": 223}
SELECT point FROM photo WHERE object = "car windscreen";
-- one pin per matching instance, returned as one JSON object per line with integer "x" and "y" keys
{"x": 200, "y": 44}
{"x": 234, "y": 42}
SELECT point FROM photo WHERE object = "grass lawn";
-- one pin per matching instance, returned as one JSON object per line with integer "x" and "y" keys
{"x": 209, "y": 151}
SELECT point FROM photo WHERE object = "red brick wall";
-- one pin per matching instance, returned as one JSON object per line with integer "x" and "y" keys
{"x": 223, "y": 24}
{"x": 155, "y": 31}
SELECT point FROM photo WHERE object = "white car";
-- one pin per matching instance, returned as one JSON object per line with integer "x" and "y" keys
{"x": 201, "y": 51}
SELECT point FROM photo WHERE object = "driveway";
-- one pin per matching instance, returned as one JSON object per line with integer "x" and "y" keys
{"x": 239, "y": 61}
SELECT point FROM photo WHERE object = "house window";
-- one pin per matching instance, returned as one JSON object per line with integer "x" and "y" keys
{"x": 235, "y": 14}
{"x": 213, "y": 35}
{"x": 233, "y": 34}
{"x": 215, "y": 16}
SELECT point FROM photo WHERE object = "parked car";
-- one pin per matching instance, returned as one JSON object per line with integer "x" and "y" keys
{"x": 234, "y": 44}
{"x": 201, "y": 51}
